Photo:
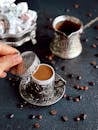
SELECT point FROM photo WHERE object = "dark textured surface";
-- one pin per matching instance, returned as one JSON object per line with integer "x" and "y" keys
{"x": 9, "y": 95}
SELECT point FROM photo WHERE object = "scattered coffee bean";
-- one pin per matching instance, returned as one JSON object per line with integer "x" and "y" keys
{"x": 64, "y": 96}
{"x": 91, "y": 83}
{"x": 77, "y": 86}
{"x": 25, "y": 103}
{"x": 86, "y": 87}
{"x": 79, "y": 77}
{"x": 89, "y": 14}
{"x": 80, "y": 97}
{"x": 96, "y": 37}
{"x": 67, "y": 10}
{"x": 10, "y": 116}
{"x": 36, "y": 125}
{"x": 96, "y": 66}
{"x": 63, "y": 68}
{"x": 32, "y": 116}
{"x": 96, "y": 27}
{"x": 13, "y": 84}
{"x": 84, "y": 40}
{"x": 64, "y": 118}
{"x": 53, "y": 112}
{"x": 50, "y": 19}
{"x": 93, "y": 63}
{"x": 69, "y": 97}
{"x": 39, "y": 117}
{"x": 76, "y": 6}
{"x": 77, "y": 118}
{"x": 50, "y": 57}
{"x": 76, "y": 99}
{"x": 80, "y": 117}
{"x": 81, "y": 87}
{"x": 20, "y": 105}
{"x": 70, "y": 76}
{"x": 93, "y": 45}
{"x": 96, "y": 55}
{"x": 83, "y": 116}
{"x": 9, "y": 79}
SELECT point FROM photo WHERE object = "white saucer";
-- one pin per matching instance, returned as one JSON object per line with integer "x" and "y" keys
{"x": 59, "y": 90}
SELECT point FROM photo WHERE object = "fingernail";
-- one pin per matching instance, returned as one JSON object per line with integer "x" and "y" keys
{"x": 17, "y": 52}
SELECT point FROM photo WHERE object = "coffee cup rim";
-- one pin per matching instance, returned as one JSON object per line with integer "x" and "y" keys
{"x": 44, "y": 81}
{"x": 65, "y": 17}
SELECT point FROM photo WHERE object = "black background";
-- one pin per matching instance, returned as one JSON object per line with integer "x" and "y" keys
{"x": 9, "y": 95}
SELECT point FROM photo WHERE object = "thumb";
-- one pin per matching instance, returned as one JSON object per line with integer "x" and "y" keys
{"x": 7, "y": 62}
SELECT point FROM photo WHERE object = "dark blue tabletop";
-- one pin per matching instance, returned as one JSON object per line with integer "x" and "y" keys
{"x": 13, "y": 116}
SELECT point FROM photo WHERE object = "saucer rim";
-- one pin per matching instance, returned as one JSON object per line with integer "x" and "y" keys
{"x": 47, "y": 104}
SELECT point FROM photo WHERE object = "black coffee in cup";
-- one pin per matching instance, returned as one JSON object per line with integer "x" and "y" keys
{"x": 67, "y": 26}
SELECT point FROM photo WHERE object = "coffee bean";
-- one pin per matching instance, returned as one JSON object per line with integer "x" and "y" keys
{"x": 83, "y": 116}
{"x": 25, "y": 103}
{"x": 9, "y": 79}
{"x": 39, "y": 117}
{"x": 53, "y": 112}
{"x": 70, "y": 76}
{"x": 76, "y": 99}
{"x": 96, "y": 55}
{"x": 67, "y": 10}
{"x": 69, "y": 97}
{"x": 32, "y": 116}
{"x": 96, "y": 27}
{"x": 13, "y": 84}
{"x": 96, "y": 37}
{"x": 93, "y": 45}
{"x": 64, "y": 96}
{"x": 76, "y": 6}
{"x": 93, "y": 63}
{"x": 86, "y": 88}
{"x": 81, "y": 87}
{"x": 10, "y": 116}
{"x": 64, "y": 118}
{"x": 96, "y": 66}
{"x": 50, "y": 57}
{"x": 84, "y": 40}
{"x": 77, "y": 118}
{"x": 89, "y": 14}
{"x": 80, "y": 97}
{"x": 79, "y": 77}
{"x": 63, "y": 68}
{"x": 91, "y": 83}
{"x": 20, "y": 105}
{"x": 36, "y": 125}
{"x": 77, "y": 86}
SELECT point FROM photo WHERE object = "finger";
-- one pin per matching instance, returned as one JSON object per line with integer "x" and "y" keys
{"x": 7, "y": 50}
{"x": 6, "y": 62}
{"x": 18, "y": 69}
{"x": 3, "y": 75}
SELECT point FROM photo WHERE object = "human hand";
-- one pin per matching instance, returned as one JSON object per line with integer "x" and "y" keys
{"x": 9, "y": 57}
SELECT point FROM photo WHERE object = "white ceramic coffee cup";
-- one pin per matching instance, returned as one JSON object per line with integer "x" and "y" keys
{"x": 44, "y": 89}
